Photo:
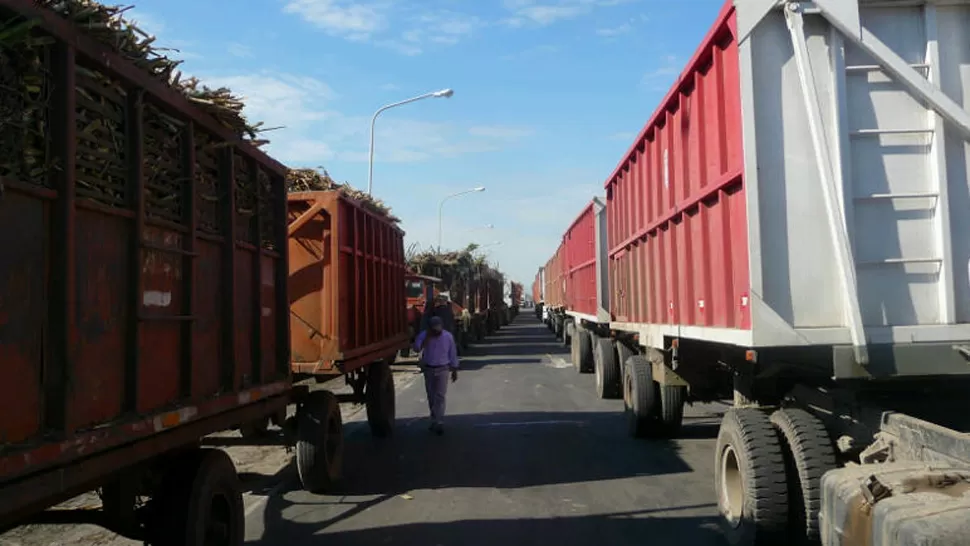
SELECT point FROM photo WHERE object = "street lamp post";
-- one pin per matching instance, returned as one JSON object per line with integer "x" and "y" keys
{"x": 441, "y": 207}
{"x": 444, "y": 93}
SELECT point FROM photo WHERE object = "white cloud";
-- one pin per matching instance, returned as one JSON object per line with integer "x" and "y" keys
{"x": 308, "y": 128}
{"x": 547, "y": 12}
{"x": 610, "y": 32}
{"x": 661, "y": 77}
{"x": 341, "y": 18}
{"x": 386, "y": 23}
{"x": 529, "y": 229}
{"x": 147, "y": 22}
{"x": 289, "y": 105}
{"x": 239, "y": 50}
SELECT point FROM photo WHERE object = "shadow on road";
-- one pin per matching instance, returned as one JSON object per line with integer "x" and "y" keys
{"x": 609, "y": 529}
{"x": 504, "y": 451}
{"x": 506, "y": 455}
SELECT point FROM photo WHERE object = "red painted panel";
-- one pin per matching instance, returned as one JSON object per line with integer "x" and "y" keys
{"x": 207, "y": 350}
{"x": 23, "y": 299}
{"x": 687, "y": 259}
{"x": 96, "y": 385}
{"x": 161, "y": 332}
{"x": 579, "y": 263}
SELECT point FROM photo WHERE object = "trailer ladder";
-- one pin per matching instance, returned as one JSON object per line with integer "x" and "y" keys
{"x": 831, "y": 150}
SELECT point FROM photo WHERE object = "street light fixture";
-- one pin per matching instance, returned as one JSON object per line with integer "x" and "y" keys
{"x": 486, "y": 226}
{"x": 443, "y": 94}
{"x": 441, "y": 207}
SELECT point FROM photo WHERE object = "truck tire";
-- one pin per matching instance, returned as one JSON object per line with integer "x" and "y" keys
{"x": 639, "y": 396}
{"x": 582, "y": 349}
{"x": 809, "y": 454}
{"x": 569, "y": 328}
{"x": 623, "y": 353}
{"x": 320, "y": 442}
{"x": 379, "y": 396}
{"x": 199, "y": 502}
{"x": 608, "y": 379}
{"x": 750, "y": 479}
{"x": 574, "y": 351}
{"x": 672, "y": 399}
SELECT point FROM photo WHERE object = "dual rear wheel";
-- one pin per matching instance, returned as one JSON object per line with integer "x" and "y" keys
{"x": 651, "y": 409}
{"x": 767, "y": 474}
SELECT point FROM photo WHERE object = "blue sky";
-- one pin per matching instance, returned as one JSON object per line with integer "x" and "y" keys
{"x": 548, "y": 96}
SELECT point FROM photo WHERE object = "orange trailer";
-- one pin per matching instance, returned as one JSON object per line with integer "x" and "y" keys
{"x": 346, "y": 290}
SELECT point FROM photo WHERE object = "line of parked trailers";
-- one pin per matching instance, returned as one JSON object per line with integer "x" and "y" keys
{"x": 789, "y": 232}
{"x": 140, "y": 317}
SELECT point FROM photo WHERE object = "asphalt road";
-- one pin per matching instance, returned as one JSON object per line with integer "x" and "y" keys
{"x": 530, "y": 456}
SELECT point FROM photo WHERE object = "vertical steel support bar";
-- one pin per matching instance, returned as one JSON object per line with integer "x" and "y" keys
{"x": 190, "y": 261}
{"x": 227, "y": 183}
{"x": 840, "y": 131}
{"x": 63, "y": 285}
{"x": 281, "y": 269}
{"x": 823, "y": 157}
{"x": 135, "y": 143}
{"x": 937, "y": 168}
{"x": 256, "y": 229}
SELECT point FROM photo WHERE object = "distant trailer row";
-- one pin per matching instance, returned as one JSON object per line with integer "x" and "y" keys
{"x": 788, "y": 232}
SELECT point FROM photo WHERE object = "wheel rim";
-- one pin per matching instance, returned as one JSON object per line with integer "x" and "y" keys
{"x": 219, "y": 521}
{"x": 731, "y": 488}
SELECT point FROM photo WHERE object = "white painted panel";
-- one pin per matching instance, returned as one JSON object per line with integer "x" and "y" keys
{"x": 894, "y": 240}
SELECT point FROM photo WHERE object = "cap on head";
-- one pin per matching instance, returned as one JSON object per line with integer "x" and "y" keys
{"x": 435, "y": 323}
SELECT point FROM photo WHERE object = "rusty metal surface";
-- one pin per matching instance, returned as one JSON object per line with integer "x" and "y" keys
{"x": 346, "y": 285}
{"x": 114, "y": 308}
{"x": 208, "y": 324}
{"x": 96, "y": 383}
{"x": 40, "y": 490}
{"x": 23, "y": 294}
{"x": 243, "y": 318}
{"x": 160, "y": 338}
{"x": 268, "y": 319}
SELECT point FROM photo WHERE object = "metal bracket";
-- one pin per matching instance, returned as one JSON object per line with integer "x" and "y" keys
{"x": 895, "y": 65}
{"x": 665, "y": 376}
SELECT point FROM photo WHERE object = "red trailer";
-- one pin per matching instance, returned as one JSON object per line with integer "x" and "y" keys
{"x": 347, "y": 298}
{"x": 553, "y": 291}
{"x": 585, "y": 312}
{"x": 538, "y": 286}
{"x": 788, "y": 231}
{"x": 143, "y": 299}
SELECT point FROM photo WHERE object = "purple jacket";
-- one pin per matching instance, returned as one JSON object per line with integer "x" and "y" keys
{"x": 438, "y": 350}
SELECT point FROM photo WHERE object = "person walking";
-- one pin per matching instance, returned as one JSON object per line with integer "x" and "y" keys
{"x": 438, "y": 361}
